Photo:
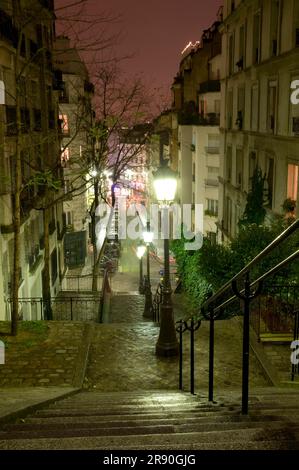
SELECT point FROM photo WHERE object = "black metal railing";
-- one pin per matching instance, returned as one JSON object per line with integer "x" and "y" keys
{"x": 190, "y": 325}
{"x": 231, "y": 294}
{"x": 64, "y": 308}
{"x": 80, "y": 283}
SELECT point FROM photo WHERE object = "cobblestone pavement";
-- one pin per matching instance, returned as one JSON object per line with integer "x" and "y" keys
{"x": 50, "y": 362}
{"x": 122, "y": 353}
{"x": 122, "y": 357}
{"x": 127, "y": 309}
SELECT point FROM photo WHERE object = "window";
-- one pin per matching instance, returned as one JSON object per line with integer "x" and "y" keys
{"x": 202, "y": 108}
{"x": 272, "y": 98}
{"x": 64, "y": 124}
{"x": 65, "y": 156}
{"x": 270, "y": 181}
{"x": 254, "y": 107}
{"x": 293, "y": 178}
{"x": 68, "y": 218}
{"x": 229, "y": 164}
{"x": 294, "y": 114}
{"x": 231, "y": 54}
{"x": 239, "y": 168}
{"x": 274, "y": 27}
{"x": 213, "y": 143}
{"x": 229, "y": 109}
{"x": 241, "y": 61}
{"x": 228, "y": 215}
{"x": 241, "y": 108}
{"x": 54, "y": 266}
{"x": 256, "y": 38}
{"x": 212, "y": 206}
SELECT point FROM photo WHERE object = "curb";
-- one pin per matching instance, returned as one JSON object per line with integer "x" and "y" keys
{"x": 22, "y": 412}
{"x": 257, "y": 349}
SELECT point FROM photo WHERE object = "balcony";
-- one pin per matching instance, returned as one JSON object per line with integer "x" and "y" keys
{"x": 209, "y": 86}
{"x": 209, "y": 119}
{"x": 212, "y": 150}
{"x": 211, "y": 183}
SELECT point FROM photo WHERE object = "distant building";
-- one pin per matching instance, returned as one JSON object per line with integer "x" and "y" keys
{"x": 259, "y": 124}
{"x": 195, "y": 119}
{"x": 75, "y": 119}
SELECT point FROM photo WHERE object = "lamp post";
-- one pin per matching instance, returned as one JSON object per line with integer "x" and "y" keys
{"x": 140, "y": 252}
{"x": 148, "y": 238}
{"x": 165, "y": 184}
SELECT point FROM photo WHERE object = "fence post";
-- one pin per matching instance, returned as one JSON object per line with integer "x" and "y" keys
{"x": 246, "y": 297}
{"x": 71, "y": 308}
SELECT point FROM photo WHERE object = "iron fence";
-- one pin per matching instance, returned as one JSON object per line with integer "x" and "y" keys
{"x": 65, "y": 308}
{"x": 79, "y": 283}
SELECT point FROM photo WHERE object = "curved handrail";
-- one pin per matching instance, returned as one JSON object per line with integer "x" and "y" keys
{"x": 277, "y": 241}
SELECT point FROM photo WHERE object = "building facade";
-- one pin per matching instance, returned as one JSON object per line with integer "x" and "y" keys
{"x": 259, "y": 123}
{"x": 26, "y": 67}
{"x": 75, "y": 119}
{"x": 195, "y": 131}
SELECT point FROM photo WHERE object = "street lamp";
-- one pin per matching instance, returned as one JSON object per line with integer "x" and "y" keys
{"x": 140, "y": 252}
{"x": 165, "y": 184}
{"x": 148, "y": 237}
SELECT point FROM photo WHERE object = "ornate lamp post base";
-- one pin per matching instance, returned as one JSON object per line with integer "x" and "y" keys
{"x": 167, "y": 344}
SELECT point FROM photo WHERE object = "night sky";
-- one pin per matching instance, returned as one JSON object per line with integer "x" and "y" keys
{"x": 155, "y": 32}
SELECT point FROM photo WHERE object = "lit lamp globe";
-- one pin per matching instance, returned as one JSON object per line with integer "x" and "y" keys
{"x": 148, "y": 237}
{"x": 165, "y": 184}
{"x": 140, "y": 251}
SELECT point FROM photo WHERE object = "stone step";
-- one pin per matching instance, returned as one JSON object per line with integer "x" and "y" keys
{"x": 63, "y": 423}
{"x": 125, "y": 410}
{"x": 184, "y": 440}
{"x": 148, "y": 429}
{"x": 129, "y": 420}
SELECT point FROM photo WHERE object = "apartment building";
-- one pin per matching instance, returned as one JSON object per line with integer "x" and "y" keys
{"x": 195, "y": 131}
{"x": 75, "y": 120}
{"x": 259, "y": 124}
{"x": 33, "y": 31}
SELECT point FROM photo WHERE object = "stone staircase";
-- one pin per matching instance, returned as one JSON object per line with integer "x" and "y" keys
{"x": 159, "y": 420}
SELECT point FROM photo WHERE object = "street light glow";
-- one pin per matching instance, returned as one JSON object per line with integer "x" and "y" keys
{"x": 140, "y": 251}
{"x": 165, "y": 184}
{"x": 148, "y": 237}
